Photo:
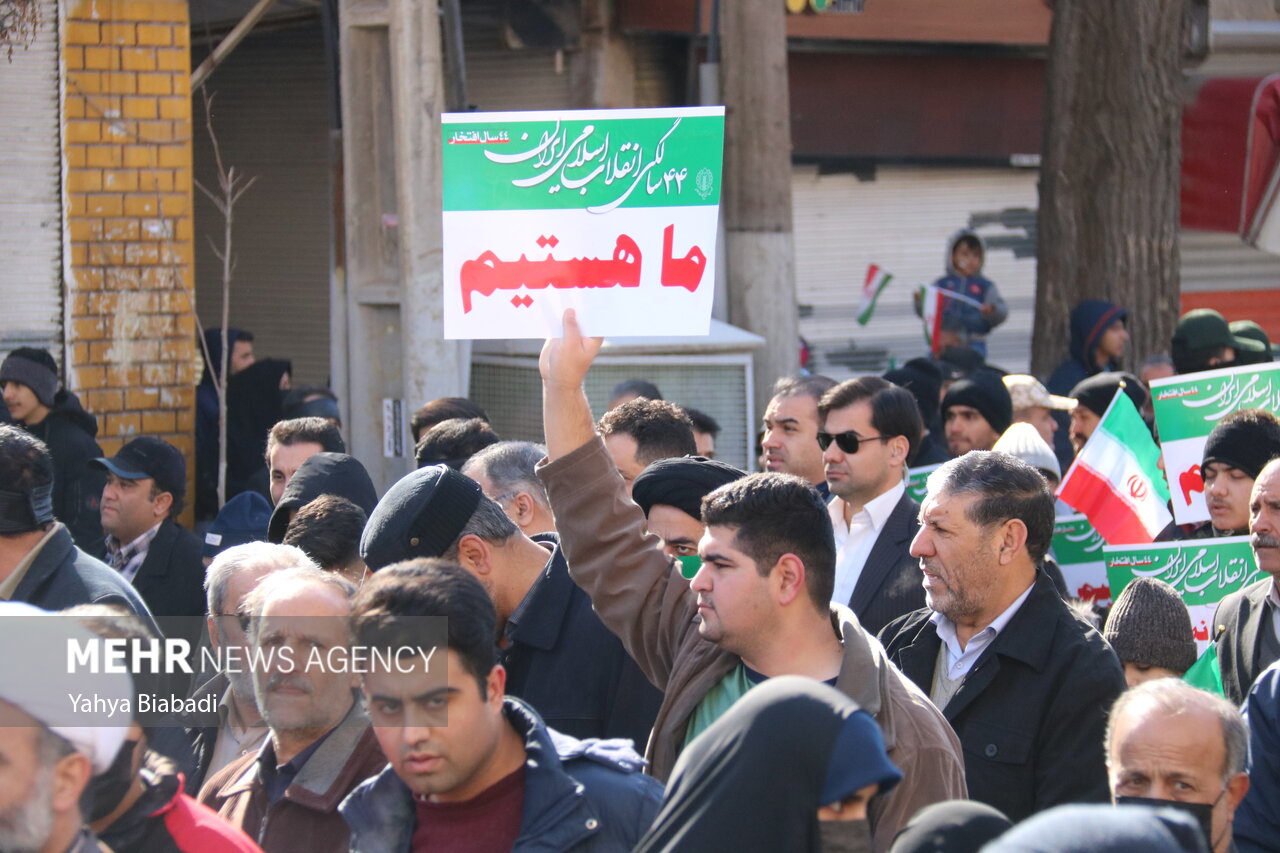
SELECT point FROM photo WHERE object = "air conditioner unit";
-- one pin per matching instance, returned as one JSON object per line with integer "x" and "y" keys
{"x": 711, "y": 374}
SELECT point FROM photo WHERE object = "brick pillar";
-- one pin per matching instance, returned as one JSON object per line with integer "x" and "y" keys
{"x": 128, "y": 259}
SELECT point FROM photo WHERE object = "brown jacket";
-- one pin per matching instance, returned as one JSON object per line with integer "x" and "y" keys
{"x": 306, "y": 817}
{"x": 642, "y": 598}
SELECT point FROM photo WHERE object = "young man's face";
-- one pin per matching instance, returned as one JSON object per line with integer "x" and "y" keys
{"x": 128, "y": 510}
{"x": 966, "y": 259}
{"x": 966, "y": 429}
{"x": 735, "y": 604}
{"x": 438, "y": 731}
{"x": 1083, "y": 422}
{"x": 285, "y": 460}
{"x": 862, "y": 476}
{"x": 22, "y": 403}
{"x": 790, "y": 440}
{"x": 1113, "y": 342}
{"x": 1226, "y": 494}
{"x": 622, "y": 450}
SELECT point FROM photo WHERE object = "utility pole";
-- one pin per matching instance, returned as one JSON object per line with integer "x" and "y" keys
{"x": 756, "y": 203}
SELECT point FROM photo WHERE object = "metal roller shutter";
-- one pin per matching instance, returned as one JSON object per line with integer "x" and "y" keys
{"x": 499, "y": 78}
{"x": 31, "y": 192}
{"x": 901, "y": 221}
{"x": 272, "y": 120}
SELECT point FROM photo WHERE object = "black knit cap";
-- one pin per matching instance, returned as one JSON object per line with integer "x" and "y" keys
{"x": 420, "y": 516}
{"x": 34, "y": 368}
{"x": 923, "y": 378}
{"x": 682, "y": 482}
{"x": 1096, "y": 392}
{"x": 1247, "y": 439}
{"x": 982, "y": 390}
{"x": 1149, "y": 624}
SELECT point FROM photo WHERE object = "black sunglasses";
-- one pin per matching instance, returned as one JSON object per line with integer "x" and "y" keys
{"x": 847, "y": 441}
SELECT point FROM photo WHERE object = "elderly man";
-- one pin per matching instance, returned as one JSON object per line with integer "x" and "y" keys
{"x": 870, "y": 428}
{"x": 790, "y": 439}
{"x": 1247, "y": 622}
{"x": 1024, "y": 682}
{"x": 490, "y": 776}
{"x": 232, "y": 575}
{"x": 759, "y": 605}
{"x": 557, "y": 655}
{"x": 49, "y": 748}
{"x": 505, "y": 474}
{"x": 1169, "y": 744}
{"x": 286, "y": 795}
{"x": 39, "y": 562}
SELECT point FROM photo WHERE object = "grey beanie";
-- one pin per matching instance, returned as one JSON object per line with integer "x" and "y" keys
{"x": 34, "y": 368}
{"x": 1149, "y": 624}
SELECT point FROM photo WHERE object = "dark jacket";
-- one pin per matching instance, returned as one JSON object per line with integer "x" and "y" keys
{"x": 563, "y": 661}
{"x": 931, "y": 450}
{"x": 1032, "y": 712}
{"x": 1238, "y": 627}
{"x": 171, "y": 582}
{"x": 578, "y": 795}
{"x": 63, "y": 576}
{"x": 890, "y": 583}
{"x": 1257, "y": 822}
{"x": 202, "y": 736}
{"x": 68, "y": 431}
{"x": 306, "y": 818}
{"x": 165, "y": 820}
{"x": 1089, "y": 320}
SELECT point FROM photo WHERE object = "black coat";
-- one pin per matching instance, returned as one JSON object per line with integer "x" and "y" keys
{"x": 171, "y": 582}
{"x": 890, "y": 583}
{"x": 1031, "y": 714}
{"x": 63, "y": 576}
{"x": 1238, "y": 628}
{"x": 563, "y": 661}
{"x": 68, "y": 431}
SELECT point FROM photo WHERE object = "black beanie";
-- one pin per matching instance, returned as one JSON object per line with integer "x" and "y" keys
{"x": 682, "y": 482}
{"x": 923, "y": 379}
{"x": 34, "y": 368}
{"x": 1149, "y": 624}
{"x": 1096, "y": 392}
{"x": 982, "y": 390}
{"x": 1247, "y": 439}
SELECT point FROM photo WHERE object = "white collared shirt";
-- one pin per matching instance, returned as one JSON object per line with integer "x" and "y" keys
{"x": 960, "y": 661}
{"x": 855, "y": 540}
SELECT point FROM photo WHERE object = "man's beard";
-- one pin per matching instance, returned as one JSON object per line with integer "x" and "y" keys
{"x": 27, "y": 826}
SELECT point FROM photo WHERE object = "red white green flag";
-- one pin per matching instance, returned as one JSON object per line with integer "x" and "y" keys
{"x": 930, "y": 299}
{"x": 877, "y": 279}
{"x": 1115, "y": 480}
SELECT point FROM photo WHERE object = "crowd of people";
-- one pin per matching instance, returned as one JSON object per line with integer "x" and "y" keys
{"x": 614, "y": 641}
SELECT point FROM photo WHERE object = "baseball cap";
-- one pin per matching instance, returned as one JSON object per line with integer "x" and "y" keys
{"x": 149, "y": 457}
{"x": 1026, "y": 391}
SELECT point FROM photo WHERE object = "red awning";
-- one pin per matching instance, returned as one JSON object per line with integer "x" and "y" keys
{"x": 1230, "y": 148}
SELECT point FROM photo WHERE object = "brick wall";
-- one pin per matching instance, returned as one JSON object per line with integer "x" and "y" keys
{"x": 130, "y": 273}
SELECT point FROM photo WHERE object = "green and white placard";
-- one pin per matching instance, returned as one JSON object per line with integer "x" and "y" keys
{"x": 1203, "y": 571}
{"x": 610, "y": 212}
{"x": 1077, "y": 548}
{"x": 1188, "y": 407}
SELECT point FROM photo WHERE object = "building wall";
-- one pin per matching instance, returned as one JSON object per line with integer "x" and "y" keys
{"x": 127, "y": 212}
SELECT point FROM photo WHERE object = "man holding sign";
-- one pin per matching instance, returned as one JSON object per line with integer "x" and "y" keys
{"x": 1247, "y": 623}
{"x": 1234, "y": 454}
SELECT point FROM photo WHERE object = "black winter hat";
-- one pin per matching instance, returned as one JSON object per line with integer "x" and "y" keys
{"x": 420, "y": 516}
{"x": 923, "y": 378}
{"x": 149, "y": 457}
{"x": 1247, "y": 439}
{"x": 1149, "y": 624}
{"x": 34, "y": 368}
{"x": 1096, "y": 392}
{"x": 682, "y": 482}
{"x": 982, "y": 390}
{"x": 323, "y": 474}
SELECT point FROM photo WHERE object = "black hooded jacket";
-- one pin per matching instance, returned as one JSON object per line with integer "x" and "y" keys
{"x": 69, "y": 431}
{"x": 323, "y": 474}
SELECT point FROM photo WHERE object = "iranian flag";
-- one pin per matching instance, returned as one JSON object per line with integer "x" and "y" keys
{"x": 930, "y": 299}
{"x": 1115, "y": 480}
{"x": 877, "y": 278}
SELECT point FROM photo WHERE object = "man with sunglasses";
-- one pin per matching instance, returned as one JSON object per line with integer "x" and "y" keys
{"x": 869, "y": 428}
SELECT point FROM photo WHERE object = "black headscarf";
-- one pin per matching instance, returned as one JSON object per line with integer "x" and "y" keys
{"x": 1103, "y": 829}
{"x": 955, "y": 826}
{"x": 754, "y": 780}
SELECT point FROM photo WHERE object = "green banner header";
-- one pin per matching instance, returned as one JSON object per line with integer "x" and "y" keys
{"x": 594, "y": 160}
{"x": 1190, "y": 406}
{"x": 1201, "y": 570}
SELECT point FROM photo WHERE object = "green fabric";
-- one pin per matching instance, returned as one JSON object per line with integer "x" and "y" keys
{"x": 719, "y": 699}
{"x": 1205, "y": 673}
